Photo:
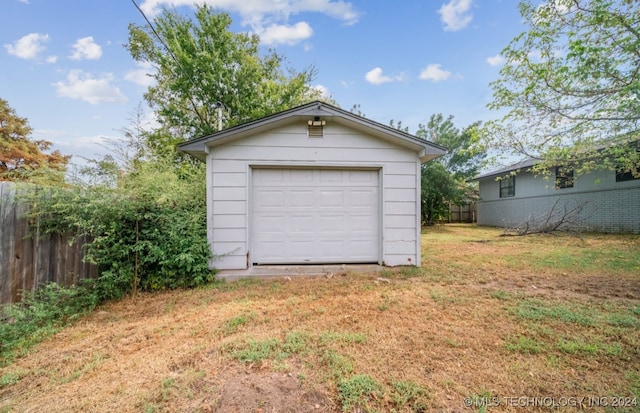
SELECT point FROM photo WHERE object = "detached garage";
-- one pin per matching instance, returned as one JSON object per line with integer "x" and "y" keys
{"x": 313, "y": 185}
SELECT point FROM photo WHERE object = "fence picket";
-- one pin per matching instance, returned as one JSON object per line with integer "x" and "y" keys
{"x": 29, "y": 260}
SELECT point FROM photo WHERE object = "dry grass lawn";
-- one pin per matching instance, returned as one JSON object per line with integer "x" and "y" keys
{"x": 488, "y": 323}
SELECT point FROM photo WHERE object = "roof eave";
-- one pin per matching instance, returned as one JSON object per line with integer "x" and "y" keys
{"x": 199, "y": 147}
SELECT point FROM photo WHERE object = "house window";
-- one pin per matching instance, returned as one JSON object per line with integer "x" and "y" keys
{"x": 508, "y": 186}
{"x": 626, "y": 176}
{"x": 622, "y": 176}
{"x": 564, "y": 177}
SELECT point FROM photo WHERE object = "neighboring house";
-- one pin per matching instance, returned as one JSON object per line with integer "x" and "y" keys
{"x": 313, "y": 185}
{"x": 511, "y": 196}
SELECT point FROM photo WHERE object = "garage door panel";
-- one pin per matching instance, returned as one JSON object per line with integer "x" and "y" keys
{"x": 268, "y": 176}
{"x": 361, "y": 223}
{"x": 266, "y": 224}
{"x": 364, "y": 198}
{"x": 301, "y": 251}
{"x": 330, "y": 224}
{"x": 301, "y": 224}
{"x": 361, "y": 177}
{"x": 314, "y": 216}
{"x": 274, "y": 249}
{"x": 299, "y": 198}
{"x": 332, "y": 248}
{"x": 330, "y": 175}
{"x": 300, "y": 175}
{"x": 270, "y": 198}
{"x": 330, "y": 198}
{"x": 360, "y": 248}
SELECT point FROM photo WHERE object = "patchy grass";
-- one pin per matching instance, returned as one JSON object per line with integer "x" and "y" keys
{"x": 361, "y": 392}
{"x": 485, "y": 318}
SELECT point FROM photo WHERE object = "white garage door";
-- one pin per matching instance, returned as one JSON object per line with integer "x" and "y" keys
{"x": 313, "y": 216}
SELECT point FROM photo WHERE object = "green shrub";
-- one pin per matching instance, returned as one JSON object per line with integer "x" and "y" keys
{"x": 42, "y": 313}
{"x": 146, "y": 231}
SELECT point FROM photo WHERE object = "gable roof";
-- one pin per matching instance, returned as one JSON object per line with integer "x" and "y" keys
{"x": 198, "y": 147}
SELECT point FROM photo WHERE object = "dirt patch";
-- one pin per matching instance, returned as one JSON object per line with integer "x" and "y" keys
{"x": 246, "y": 390}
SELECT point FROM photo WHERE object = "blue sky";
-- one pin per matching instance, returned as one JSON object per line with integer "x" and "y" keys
{"x": 63, "y": 65}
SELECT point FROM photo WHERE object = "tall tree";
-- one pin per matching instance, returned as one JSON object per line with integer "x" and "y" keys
{"x": 461, "y": 159}
{"x": 571, "y": 85}
{"x": 20, "y": 156}
{"x": 202, "y": 66}
{"x": 444, "y": 180}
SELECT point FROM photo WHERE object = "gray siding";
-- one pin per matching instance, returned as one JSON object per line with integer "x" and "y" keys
{"x": 609, "y": 206}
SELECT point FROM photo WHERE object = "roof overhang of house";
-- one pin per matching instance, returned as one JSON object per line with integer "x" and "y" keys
{"x": 516, "y": 167}
{"x": 426, "y": 150}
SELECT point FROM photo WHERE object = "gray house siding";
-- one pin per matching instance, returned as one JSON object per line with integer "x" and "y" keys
{"x": 608, "y": 206}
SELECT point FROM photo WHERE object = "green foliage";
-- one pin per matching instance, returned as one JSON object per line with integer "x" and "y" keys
{"x": 202, "y": 65}
{"x": 407, "y": 393}
{"x": 438, "y": 187}
{"x": 332, "y": 336}
{"x": 233, "y": 324}
{"x": 570, "y": 86}
{"x": 40, "y": 314}
{"x": 537, "y": 310}
{"x": 254, "y": 351}
{"x": 296, "y": 342}
{"x": 358, "y": 391}
{"x": 338, "y": 365}
{"x": 525, "y": 345}
{"x": 23, "y": 159}
{"x": 11, "y": 378}
{"x": 444, "y": 179}
{"x": 146, "y": 231}
{"x": 577, "y": 346}
{"x": 461, "y": 160}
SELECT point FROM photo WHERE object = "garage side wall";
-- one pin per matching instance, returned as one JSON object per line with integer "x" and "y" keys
{"x": 229, "y": 176}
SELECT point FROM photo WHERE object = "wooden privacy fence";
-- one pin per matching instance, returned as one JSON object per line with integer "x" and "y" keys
{"x": 462, "y": 213}
{"x": 29, "y": 260}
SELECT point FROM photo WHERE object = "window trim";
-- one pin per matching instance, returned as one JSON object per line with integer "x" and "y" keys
{"x": 508, "y": 191}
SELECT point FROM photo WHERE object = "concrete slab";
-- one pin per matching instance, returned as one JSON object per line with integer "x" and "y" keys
{"x": 275, "y": 271}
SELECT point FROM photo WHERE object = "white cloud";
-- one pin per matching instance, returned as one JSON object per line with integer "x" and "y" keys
{"x": 455, "y": 14}
{"x": 83, "y": 86}
{"x": 375, "y": 76}
{"x": 324, "y": 92}
{"x": 150, "y": 121}
{"x": 28, "y": 46}
{"x": 142, "y": 75}
{"x": 346, "y": 85}
{"x": 283, "y": 34}
{"x": 496, "y": 60}
{"x": 24, "y": 1}
{"x": 435, "y": 73}
{"x": 51, "y": 59}
{"x": 269, "y": 17}
{"x": 249, "y": 10}
{"x": 86, "y": 48}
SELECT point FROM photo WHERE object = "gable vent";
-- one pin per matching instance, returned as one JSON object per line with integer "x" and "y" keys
{"x": 315, "y": 128}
